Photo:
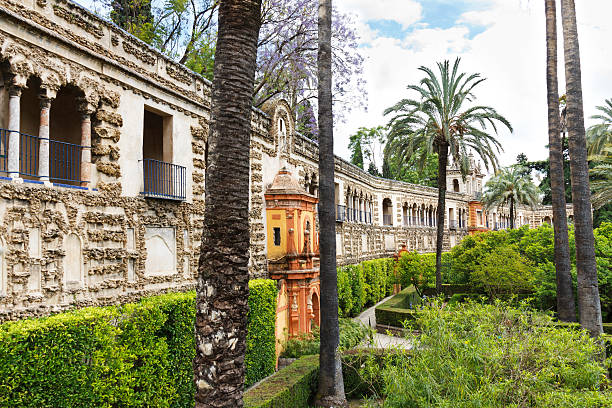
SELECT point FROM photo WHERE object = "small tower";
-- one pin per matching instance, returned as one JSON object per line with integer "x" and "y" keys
{"x": 293, "y": 250}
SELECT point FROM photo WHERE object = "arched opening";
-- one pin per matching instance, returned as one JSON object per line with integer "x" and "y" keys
{"x": 316, "y": 309}
{"x": 452, "y": 223}
{"x": 405, "y": 216}
{"x": 548, "y": 220}
{"x": 65, "y": 137}
{"x": 29, "y": 125}
{"x": 456, "y": 185}
{"x": 387, "y": 212}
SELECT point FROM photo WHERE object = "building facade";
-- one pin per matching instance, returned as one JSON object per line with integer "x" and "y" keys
{"x": 103, "y": 147}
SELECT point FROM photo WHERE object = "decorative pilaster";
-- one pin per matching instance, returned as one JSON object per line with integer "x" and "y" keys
{"x": 43, "y": 134}
{"x": 14, "y": 127}
{"x": 86, "y": 110}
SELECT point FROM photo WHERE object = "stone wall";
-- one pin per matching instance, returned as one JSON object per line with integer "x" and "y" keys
{"x": 100, "y": 240}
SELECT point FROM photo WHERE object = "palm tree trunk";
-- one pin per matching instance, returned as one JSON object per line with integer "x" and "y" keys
{"x": 511, "y": 213}
{"x": 566, "y": 309}
{"x": 331, "y": 384}
{"x": 442, "y": 163}
{"x": 588, "y": 291}
{"x": 222, "y": 287}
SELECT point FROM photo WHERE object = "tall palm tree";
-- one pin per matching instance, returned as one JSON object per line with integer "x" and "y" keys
{"x": 331, "y": 384}
{"x": 602, "y": 177}
{"x": 589, "y": 305}
{"x": 600, "y": 135}
{"x": 511, "y": 186}
{"x": 442, "y": 120}
{"x": 566, "y": 309}
{"x": 222, "y": 287}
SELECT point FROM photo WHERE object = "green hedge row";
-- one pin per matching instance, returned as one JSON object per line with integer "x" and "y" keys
{"x": 134, "y": 355}
{"x": 364, "y": 284}
{"x": 293, "y": 386}
{"x": 395, "y": 311}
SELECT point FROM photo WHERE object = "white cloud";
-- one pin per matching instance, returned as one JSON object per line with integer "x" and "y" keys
{"x": 404, "y": 12}
{"x": 510, "y": 53}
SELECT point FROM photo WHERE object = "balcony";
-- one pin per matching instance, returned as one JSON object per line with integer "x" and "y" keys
{"x": 387, "y": 220}
{"x": 164, "y": 180}
{"x": 452, "y": 225}
{"x": 477, "y": 196}
{"x": 340, "y": 213}
{"x": 406, "y": 221}
{"x": 64, "y": 163}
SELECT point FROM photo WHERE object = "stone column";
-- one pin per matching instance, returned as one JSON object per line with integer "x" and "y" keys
{"x": 86, "y": 146}
{"x": 43, "y": 134}
{"x": 14, "y": 127}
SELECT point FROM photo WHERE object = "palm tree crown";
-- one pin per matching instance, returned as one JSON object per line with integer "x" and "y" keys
{"x": 443, "y": 119}
{"x": 440, "y": 118}
{"x": 511, "y": 186}
{"x": 600, "y": 135}
{"x": 602, "y": 177}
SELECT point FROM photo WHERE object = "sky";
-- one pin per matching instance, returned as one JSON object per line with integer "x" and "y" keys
{"x": 504, "y": 40}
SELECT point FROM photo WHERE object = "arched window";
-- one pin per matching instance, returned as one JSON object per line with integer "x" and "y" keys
{"x": 387, "y": 212}
{"x": 456, "y": 185}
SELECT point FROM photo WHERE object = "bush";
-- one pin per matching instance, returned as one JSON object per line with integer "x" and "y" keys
{"x": 351, "y": 334}
{"x": 260, "y": 359}
{"x": 399, "y": 309}
{"x": 132, "y": 355}
{"x": 494, "y": 355}
{"x": 293, "y": 386}
{"x": 363, "y": 285}
{"x": 503, "y": 272}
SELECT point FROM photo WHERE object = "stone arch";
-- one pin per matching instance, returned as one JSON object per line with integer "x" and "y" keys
{"x": 456, "y": 185}
{"x": 73, "y": 261}
{"x": 316, "y": 308}
{"x": 387, "y": 210}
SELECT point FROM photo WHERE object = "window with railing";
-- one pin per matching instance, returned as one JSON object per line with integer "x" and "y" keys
{"x": 452, "y": 224}
{"x": 340, "y": 213}
{"x": 164, "y": 180}
{"x": 387, "y": 219}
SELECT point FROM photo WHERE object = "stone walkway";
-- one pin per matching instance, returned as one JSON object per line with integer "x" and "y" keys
{"x": 368, "y": 318}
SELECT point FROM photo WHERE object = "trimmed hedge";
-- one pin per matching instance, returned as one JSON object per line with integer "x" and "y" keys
{"x": 292, "y": 386}
{"x": 364, "y": 285}
{"x": 260, "y": 356}
{"x": 137, "y": 355}
{"x": 397, "y": 309}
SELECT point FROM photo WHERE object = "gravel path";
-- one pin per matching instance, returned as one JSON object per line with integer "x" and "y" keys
{"x": 368, "y": 318}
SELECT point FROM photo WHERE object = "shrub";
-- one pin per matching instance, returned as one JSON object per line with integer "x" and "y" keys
{"x": 397, "y": 310}
{"x": 363, "y": 285}
{"x": 351, "y": 334}
{"x": 132, "y": 355}
{"x": 260, "y": 359}
{"x": 494, "y": 355}
{"x": 503, "y": 272}
{"x": 293, "y": 386}
{"x": 417, "y": 270}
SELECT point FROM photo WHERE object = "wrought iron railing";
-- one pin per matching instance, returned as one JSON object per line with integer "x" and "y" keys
{"x": 4, "y": 141}
{"x": 452, "y": 224}
{"x": 387, "y": 219}
{"x": 368, "y": 217}
{"x": 406, "y": 220}
{"x": 65, "y": 161}
{"x": 28, "y": 151}
{"x": 164, "y": 180}
{"x": 340, "y": 213}
{"x": 477, "y": 196}
{"x": 415, "y": 221}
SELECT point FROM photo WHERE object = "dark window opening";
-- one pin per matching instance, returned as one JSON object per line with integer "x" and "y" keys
{"x": 277, "y": 236}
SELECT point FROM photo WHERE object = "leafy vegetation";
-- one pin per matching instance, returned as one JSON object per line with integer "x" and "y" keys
{"x": 137, "y": 354}
{"x": 494, "y": 355}
{"x": 351, "y": 334}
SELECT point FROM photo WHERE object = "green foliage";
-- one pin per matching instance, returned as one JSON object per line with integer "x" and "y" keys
{"x": 260, "y": 359}
{"x": 503, "y": 272}
{"x": 351, "y": 334}
{"x": 399, "y": 309}
{"x": 292, "y": 386}
{"x": 493, "y": 355}
{"x": 603, "y": 256}
{"x": 135, "y": 355}
{"x": 363, "y": 285}
{"x": 417, "y": 270}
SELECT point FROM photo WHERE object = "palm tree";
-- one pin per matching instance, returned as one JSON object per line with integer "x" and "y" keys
{"x": 222, "y": 287}
{"x": 566, "y": 308}
{"x": 511, "y": 186}
{"x": 589, "y": 305}
{"x": 600, "y": 135}
{"x": 440, "y": 121}
{"x": 602, "y": 177}
{"x": 331, "y": 384}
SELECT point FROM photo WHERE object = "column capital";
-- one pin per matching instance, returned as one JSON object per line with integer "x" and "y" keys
{"x": 85, "y": 108}
{"x": 14, "y": 90}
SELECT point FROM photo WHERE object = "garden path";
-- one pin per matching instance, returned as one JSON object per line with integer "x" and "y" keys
{"x": 368, "y": 318}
